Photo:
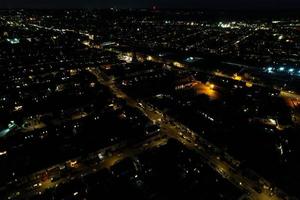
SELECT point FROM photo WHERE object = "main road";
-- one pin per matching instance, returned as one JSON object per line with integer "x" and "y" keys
{"x": 190, "y": 139}
{"x": 226, "y": 167}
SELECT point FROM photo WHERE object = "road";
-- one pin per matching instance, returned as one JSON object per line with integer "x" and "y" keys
{"x": 51, "y": 177}
{"x": 38, "y": 182}
{"x": 190, "y": 139}
{"x": 172, "y": 129}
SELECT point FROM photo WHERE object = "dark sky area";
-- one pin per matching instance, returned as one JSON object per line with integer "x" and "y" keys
{"x": 201, "y": 4}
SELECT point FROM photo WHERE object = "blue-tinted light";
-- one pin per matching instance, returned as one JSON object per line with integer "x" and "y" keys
{"x": 190, "y": 59}
{"x": 270, "y": 69}
{"x": 291, "y": 70}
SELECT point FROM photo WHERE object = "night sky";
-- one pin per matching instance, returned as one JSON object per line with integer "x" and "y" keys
{"x": 201, "y": 4}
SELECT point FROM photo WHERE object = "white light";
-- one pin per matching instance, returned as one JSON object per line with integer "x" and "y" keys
{"x": 13, "y": 41}
{"x": 272, "y": 121}
{"x": 100, "y": 156}
{"x": 291, "y": 70}
{"x": 270, "y": 69}
{"x": 281, "y": 69}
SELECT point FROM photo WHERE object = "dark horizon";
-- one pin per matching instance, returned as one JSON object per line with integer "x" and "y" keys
{"x": 160, "y": 4}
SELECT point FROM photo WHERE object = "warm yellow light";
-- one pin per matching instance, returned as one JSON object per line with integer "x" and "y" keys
{"x": 249, "y": 84}
{"x": 73, "y": 163}
{"x": 237, "y": 77}
{"x": 149, "y": 58}
{"x": 178, "y": 64}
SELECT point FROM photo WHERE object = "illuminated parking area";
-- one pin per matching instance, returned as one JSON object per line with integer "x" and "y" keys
{"x": 283, "y": 70}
